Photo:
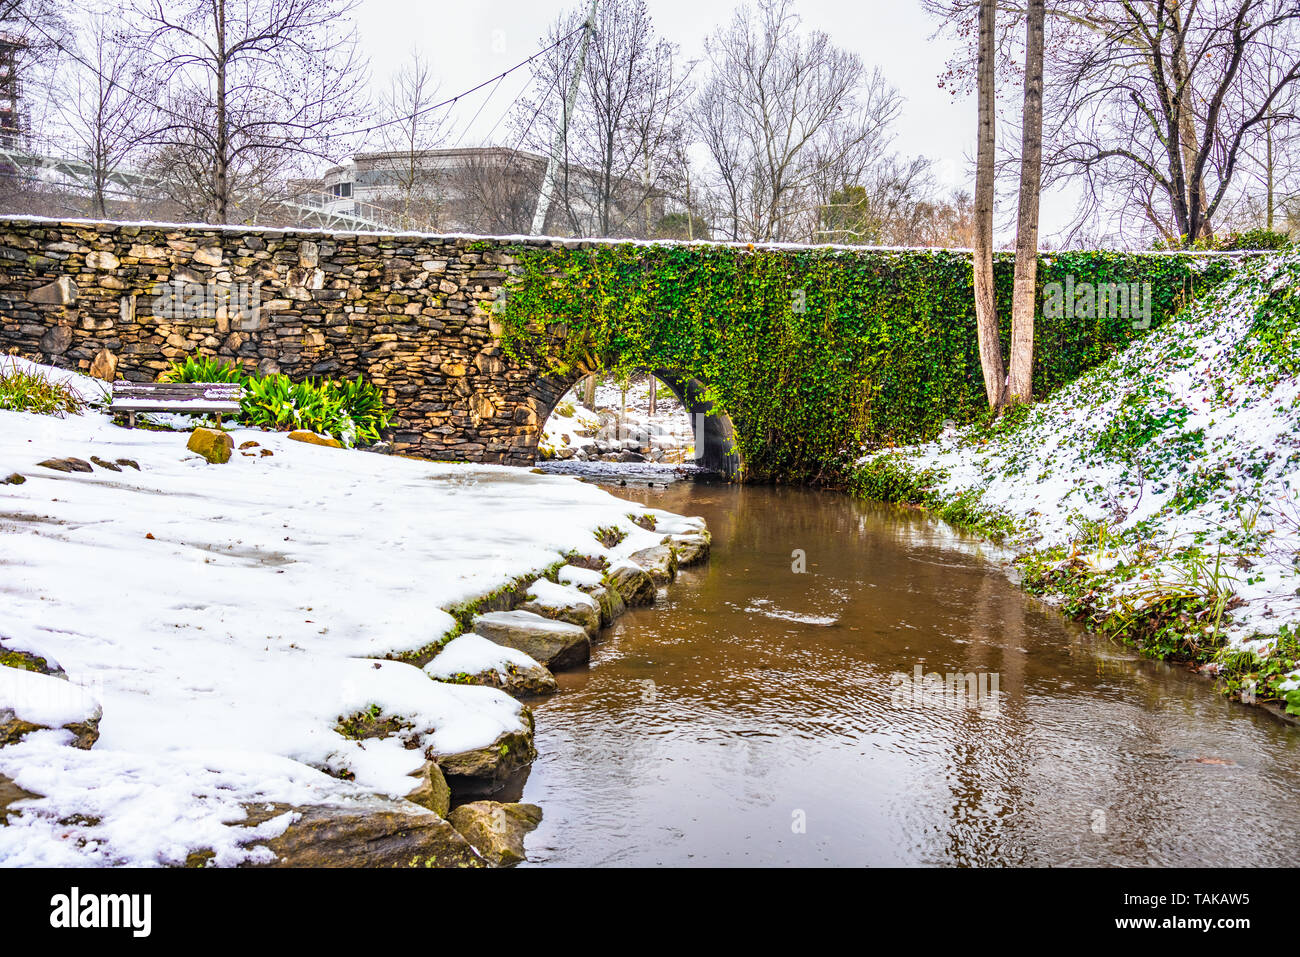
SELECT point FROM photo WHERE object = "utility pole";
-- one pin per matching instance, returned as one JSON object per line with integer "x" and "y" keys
{"x": 562, "y": 131}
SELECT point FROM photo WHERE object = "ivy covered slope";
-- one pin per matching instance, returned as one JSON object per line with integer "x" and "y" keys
{"x": 1158, "y": 496}
{"x": 813, "y": 351}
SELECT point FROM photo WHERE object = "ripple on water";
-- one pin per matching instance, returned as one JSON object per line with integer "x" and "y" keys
{"x": 752, "y": 698}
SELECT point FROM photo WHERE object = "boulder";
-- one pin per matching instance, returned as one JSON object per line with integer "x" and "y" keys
{"x": 33, "y": 701}
{"x": 67, "y": 465}
{"x": 496, "y": 830}
{"x": 29, "y": 661}
{"x": 431, "y": 790}
{"x": 311, "y": 438}
{"x": 212, "y": 445}
{"x": 14, "y": 479}
{"x": 632, "y": 582}
{"x": 563, "y": 603}
{"x": 553, "y": 644}
{"x": 474, "y": 660}
{"x": 487, "y": 770}
{"x": 104, "y": 366}
{"x": 691, "y": 547}
{"x": 611, "y": 602}
{"x": 373, "y": 832}
{"x": 659, "y": 560}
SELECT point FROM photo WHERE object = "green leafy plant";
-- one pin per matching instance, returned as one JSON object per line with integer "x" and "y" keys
{"x": 351, "y": 411}
{"x": 22, "y": 391}
{"x": 200, "y": 368}
{"x": 814, "y": 353}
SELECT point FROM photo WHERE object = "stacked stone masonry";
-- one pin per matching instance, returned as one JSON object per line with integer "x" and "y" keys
{"x": 410, "y": 313}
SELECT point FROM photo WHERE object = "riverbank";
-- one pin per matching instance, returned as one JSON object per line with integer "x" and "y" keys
{"x": 1157, "y": 497}
{"x": 239, "y": 663}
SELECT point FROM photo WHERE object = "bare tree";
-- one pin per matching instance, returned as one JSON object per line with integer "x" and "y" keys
{"x": 883, "y": 205}
{"x": 413, "y": 129}
{"x": 254, "y": 89}
{"x": 104, "y": 103}
{"x": 1154, "y": 105}
{"x": 782, "y": 108}
{"x": 493, "y": 191}
{"x": 626, "y": 126}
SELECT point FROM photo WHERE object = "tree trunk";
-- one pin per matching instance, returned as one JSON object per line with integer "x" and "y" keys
{"x": 1269, "y": 185}
{"x": 589, "y": 394}
{"x": 986, "y": 306}
{"x": 1025, "y": 292}
{"x": 222, "y": 185}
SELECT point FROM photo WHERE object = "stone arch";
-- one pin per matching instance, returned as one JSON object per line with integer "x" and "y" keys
{"x": 715, "y": 432}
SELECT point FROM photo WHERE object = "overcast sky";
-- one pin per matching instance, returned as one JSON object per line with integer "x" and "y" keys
{"x": 471, "y": 40}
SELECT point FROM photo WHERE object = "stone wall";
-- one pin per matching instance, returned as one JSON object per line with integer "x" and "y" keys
{"x": 410, "y": 313}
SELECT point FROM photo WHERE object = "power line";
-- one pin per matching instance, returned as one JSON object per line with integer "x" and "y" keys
{"x": 76, "y": 57}
{"x": 474, "y": 89}
{"x": 479, "y": 112}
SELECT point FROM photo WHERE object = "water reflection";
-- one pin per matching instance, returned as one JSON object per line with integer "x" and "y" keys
{"x": 753, "y": 716}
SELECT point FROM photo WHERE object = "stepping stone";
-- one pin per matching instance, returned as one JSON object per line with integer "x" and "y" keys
{"x": 554, "y": 644}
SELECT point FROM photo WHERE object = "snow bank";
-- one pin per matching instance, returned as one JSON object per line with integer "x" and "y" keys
{"x": 1178, "y": 458}
{"x": 226, "y": 616}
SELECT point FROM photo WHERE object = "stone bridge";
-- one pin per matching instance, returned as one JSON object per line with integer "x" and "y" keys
{"x": 411, "y": 313}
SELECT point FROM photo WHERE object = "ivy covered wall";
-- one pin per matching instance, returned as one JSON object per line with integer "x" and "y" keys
{"x": 815, "y": 351}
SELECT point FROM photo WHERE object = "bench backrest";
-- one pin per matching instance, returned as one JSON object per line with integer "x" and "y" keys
{"x": 178, "y": 391}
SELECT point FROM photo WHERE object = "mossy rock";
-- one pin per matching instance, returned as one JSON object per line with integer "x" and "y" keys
{"x": 487, "y": 770}
{"x": 214, "y": 446}
{"x": 311, "y": 438}
{"x": 496, "y": 830}
{"x": 373, "y": 832}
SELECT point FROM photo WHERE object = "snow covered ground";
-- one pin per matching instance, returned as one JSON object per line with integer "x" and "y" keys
{"x": 225, "y": 617}
{"x": 1171, "y": 470}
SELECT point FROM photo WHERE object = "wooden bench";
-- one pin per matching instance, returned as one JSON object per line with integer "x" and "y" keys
{"x": 185, "y": 398}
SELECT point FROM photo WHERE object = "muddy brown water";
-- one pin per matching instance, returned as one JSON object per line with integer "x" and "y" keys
{"x": 757, "y": 716}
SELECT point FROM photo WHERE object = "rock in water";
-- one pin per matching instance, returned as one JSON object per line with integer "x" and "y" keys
{"x": 692, "y": 547}
{"x": 659, "y": 560}
{"x": 554, "y": 644}
{"x": 563, "y": 603}
{"x": 496, "y": 830}
{"x": 311, "y": 438}
{"x": 473, "y": 660}
{"x": 486, "y": 770}
{"x": 214, "y": 446}
{"x": 370, "y": 833}
{"x": 431, "y": 790}
{"x": 632, "y": 582}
